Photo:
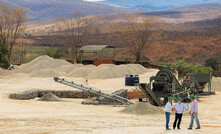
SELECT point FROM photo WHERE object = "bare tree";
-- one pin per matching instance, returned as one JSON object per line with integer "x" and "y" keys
{"x": 137, "y": 33}
{"x": 77, "y": 31}
{"x": 12, "y": 25}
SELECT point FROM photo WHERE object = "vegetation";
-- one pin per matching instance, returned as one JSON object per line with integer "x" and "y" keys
{"x": 183, "y": 68}
{"x": 138, "y": 36}
{"x": 213, "y": 63}
{"x": 77, "y": 32}
{"x": 4, "y": 63}
{"x": 12, "y": 25}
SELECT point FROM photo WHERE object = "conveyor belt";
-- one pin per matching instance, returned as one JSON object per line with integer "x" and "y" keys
{"x": 93, "y": 90}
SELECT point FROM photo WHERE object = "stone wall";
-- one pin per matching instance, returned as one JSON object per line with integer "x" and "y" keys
{"x": 91, "y": 98}
{"x": 27, "y": 95}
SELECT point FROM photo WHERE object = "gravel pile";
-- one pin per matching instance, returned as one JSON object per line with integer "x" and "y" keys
{"x": 50, "y": 97}
{"x": 45, "y": 66}
{"x": 142, "y": 108}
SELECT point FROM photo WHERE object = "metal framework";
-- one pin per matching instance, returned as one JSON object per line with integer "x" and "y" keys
{"x": 96, "y": 91}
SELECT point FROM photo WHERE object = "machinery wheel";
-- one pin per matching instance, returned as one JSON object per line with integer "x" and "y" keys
{"x": 166, "y": 73}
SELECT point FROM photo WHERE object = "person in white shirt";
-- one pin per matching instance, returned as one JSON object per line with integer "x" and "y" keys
{"x": 179, "y": 108}
{"x": 168, "y": 111}
{"x": 194, "y": 112}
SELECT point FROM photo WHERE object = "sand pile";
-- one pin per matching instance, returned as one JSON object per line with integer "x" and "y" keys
{"x": 46, "y": 73}
{"x": 81, "y": 72}
{"x": 216, "y": 82}
{"x": 113, "y": 71}
{"x": 17, "y": 69}
{"x": 105, "y": 66}
{"x": 43, "y": 62}
{"x": 66, "y": 68}
{"x": 45, "y": 66}
{"x": 142, "y": 109}
{"x": 137, "y": 68}
{"x": 50, "y": 97}
{"x": 4, "y": 72}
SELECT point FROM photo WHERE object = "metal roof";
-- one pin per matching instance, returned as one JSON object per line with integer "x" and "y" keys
{"x": 95, "y": 47}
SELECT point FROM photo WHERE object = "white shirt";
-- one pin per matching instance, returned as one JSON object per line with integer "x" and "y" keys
{"x": 194, "y": 106}
{"x": 179, "y": 107}
{"x": 168, "y": 107}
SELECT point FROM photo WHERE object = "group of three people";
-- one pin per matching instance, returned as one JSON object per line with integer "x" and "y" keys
{"x": 179, "y": 108}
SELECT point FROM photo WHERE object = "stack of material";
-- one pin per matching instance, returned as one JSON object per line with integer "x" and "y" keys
{"x": 45, "y": 66}
{"x": 67, "y": 94}
{"x": 81, "y": 72}
{"x": 27, "y": 95}
{"x": 106, "y": 101}
{"x": 216, "y": 82}
{"x": 46, "y": 73}
{"x": 66, "y": 68}
{"x": 50, "y": 97}
{"x": 142, "y": 108}
{"x": 43, "y": 62}
{"x": 113, "y": 71}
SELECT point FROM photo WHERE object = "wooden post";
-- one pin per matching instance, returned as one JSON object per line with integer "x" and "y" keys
{"x": 81, "y": 54}
{"x": 114, "y": 53}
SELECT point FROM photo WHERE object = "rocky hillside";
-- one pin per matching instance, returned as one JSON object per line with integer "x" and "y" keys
{"x": 51, "y": 9}
{"x": 156, "y": 5}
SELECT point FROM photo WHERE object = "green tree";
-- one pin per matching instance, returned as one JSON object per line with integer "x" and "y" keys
{"x": 4, "y": 63}
{"x": 183, "y": 68}
{"x": 212, "y": 63}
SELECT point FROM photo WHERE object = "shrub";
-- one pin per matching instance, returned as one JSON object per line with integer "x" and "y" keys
{"x": 183, "y": 68}
{"x": 212, "y": 63}
{"x": 61, "y": 52}
{"x": 4, "y": 63}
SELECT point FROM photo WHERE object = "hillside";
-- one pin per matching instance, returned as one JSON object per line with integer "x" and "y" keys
{"x": 156, "y": 5}
{"x": 185, "y": 14}
{"x": 52, "y": 9}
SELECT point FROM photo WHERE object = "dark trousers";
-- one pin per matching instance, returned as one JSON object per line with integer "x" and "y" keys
{"x": 178, "y": 117}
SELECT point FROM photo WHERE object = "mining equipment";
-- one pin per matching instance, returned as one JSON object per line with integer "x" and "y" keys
{"x": 165, "y": 84}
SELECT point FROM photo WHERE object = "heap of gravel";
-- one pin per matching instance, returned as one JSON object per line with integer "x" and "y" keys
{"x": 142, "y": 108}
{"x": 81, "y": 72}
{"x": 45, "y": 66}
{"x": 50, "y": 97}
{"x": 116, "y": 71}
{"x": 46, "y": 73}
{"x": 43, "y": 62}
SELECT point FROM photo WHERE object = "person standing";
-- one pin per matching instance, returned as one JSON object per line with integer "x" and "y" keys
{"x": 168, "y": 111}
{"x": 179, "y": 108}
{"x": 194, "y": 112}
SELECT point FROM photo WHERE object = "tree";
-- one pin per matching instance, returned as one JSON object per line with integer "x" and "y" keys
{"x": 12, "y": 25}
{"x": 183, "y": 68}
{"x": 4, "y": 63}
{"x": 138, "y": 34}
{"x": 212, "y": 63}
{"x": 77, "y": 31}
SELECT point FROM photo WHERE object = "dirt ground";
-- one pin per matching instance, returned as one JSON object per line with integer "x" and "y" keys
{"x": 71, "y": 117}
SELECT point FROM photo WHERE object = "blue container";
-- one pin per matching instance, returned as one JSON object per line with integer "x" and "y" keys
{"x": 131, "y": 80}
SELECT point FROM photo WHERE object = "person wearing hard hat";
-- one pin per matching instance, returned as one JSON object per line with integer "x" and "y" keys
{"x": 194, "y": 112}
{"x": 179, "y": 107}
{"x": 168, "y": 111}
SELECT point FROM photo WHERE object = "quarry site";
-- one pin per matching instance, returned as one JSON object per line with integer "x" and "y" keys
{"x": 52, "y": 114}
{"x": 110, "y": 67}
